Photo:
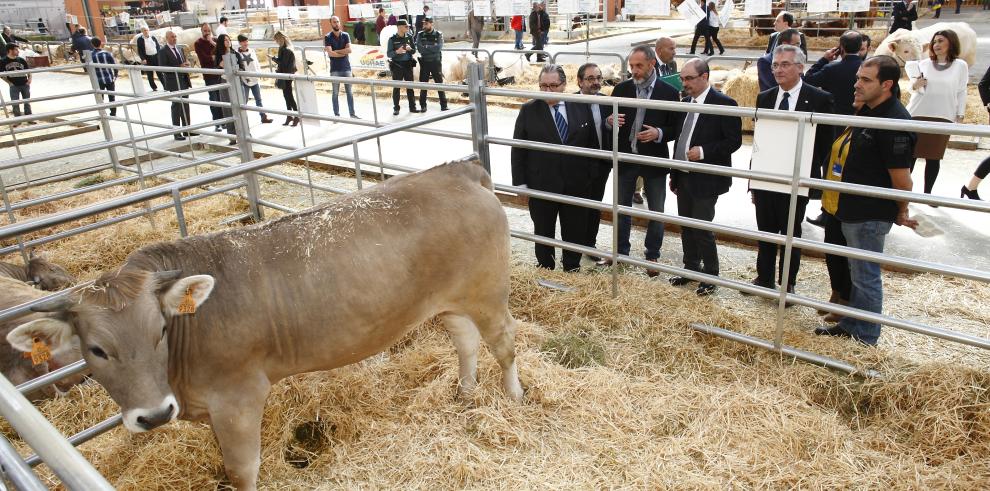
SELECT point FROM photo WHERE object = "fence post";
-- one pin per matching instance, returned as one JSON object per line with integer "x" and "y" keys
{"x": 479, "y": 116}
{"x": 243, "y": 132}
{"x": 104, "y": 121}
{"x": 789, "y": 240}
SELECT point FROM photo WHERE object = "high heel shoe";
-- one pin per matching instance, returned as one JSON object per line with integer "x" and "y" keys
{"x": 966, "y": 193}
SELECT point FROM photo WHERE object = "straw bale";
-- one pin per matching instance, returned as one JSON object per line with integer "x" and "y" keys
{"x": 644, "y": 402}
{"x": 743, "y": 87}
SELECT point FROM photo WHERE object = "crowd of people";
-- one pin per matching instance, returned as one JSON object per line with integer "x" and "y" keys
{"x": 844, "y": 81}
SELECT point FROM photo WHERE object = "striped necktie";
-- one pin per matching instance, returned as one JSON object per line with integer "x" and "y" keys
{"x": 561, "y": 123}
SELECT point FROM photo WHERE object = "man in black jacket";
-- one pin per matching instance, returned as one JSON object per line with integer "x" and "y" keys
{"x": 590, "y": 83}
{"x": 171, "y": 55}
{"x": 784, "y": 21}
{"x": 539, "y": 25}
{"x": 837, "y": 77}
{"x": 701, "y": 28}
{"x": 643, "y": 132}
{"x": 706, "y": 139}
{"x": 902, "y": 13}
{"x": 148, "y": 48}
{"x": 555, "y": 122}
{"x": 771, "y": 207}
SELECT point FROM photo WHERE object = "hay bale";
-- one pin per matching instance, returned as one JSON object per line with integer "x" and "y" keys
{"x": 743, "y": 87}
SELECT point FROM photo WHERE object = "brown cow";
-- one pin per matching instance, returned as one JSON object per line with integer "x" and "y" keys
{"x": 13, "y": 364}
{"x": 40, "y": 272}
{"x": 310, "y": 291}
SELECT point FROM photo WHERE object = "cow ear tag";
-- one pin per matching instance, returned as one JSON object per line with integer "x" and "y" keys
{"x": 187, "y": 305}
{"x": 39, "y": 352}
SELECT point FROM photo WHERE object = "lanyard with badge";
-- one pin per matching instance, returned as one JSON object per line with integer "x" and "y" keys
{"x": 840, "y": 156}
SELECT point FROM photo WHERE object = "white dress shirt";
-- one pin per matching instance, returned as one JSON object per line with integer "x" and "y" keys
{"x": 792, "y": 99}
{"x": 690, "y": 131}
{"x": 596, "y": 114}
{"x": 150, "y": 48}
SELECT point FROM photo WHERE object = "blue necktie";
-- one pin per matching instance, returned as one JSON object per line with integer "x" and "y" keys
{"x": 784, "y": 105}
{"x": 561, "y": 124}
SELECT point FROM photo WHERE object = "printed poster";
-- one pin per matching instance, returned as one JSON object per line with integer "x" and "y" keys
{"x": 441, "y": 9}
{"x": 757, "y": 7}
{"x": 398, "y": 8}
{"x": 367, "y": 11}
{"x": 591, "y": 6}
{"x": 854, "y": 5}
{"x": 691, "y": 12}
{"x": 521, "y": 7}
{"x": 324, "y": 12}
{"x": 353, "y": 11}
{"x": 822, "y": 6}
{"x": 457, "y": 8}
{"x": 725, "y": 15}
{"x": 503, "y": 7}
{"x": 482, "y": 8}
{"x": 415, "y": 7}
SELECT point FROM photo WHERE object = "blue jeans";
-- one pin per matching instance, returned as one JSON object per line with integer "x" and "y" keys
{"x": 867, "y": 284}
{"x": 256, "y": 91}
{"x": 655, "y": 192}
{"x": 519, "y": 40}
{"x": 21, "y": 92}
{"x": 347, "y": 88}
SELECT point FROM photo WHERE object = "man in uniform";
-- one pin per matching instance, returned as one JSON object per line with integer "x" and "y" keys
{"x": 400, "y": 54}
{"x": 429, "y": 43}
{"x": 880, "y": 158}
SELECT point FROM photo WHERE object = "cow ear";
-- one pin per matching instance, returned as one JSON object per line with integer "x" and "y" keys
{"x": 892, "y": 45}
{"x": 187, "y": 294}
{"x": 56, "y": 333}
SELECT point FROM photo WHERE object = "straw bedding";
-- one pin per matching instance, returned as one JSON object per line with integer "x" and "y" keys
{"x": 620, "y": 393}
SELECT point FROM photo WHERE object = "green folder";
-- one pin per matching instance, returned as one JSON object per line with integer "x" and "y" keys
{"x": 674, "y": 80}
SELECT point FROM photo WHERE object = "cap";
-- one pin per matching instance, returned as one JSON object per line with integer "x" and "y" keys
{"x": 428, "y": 19}
{"x": 401, "y": 22}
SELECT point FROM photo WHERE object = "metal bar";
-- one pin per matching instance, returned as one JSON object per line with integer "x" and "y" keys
{"x": 13, "y": 137}
{"x": 789, "y": 241}
{"x": 179, "y": 215}
{"x": 85, "y": 435}
{"x": 45, "y": 126}
{"x": 479, "y": 120}
{"x": 243, "y": 131}
{"x": 302, "y": 133}
{"x": 16, "y": 470}
{"x": 58, "y": 177}
{"x": 32, "y": 100}
{"x": 276, "y": 206}
{"x": 52, "y": 377}
{"x": 74, "y": 471}
{"x": 798, "y": 354}
{"x": 615, "y": 203}
{"x": 357, "y": 166}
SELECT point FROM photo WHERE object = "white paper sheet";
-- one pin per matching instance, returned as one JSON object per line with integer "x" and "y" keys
{"x": 415, "y": 7}
{"x": 774, "y": 144}
{"x": 282, "y": 12}
{"x": 503, "y": 7}
{"x": 691, "y": 12}
{"x": 592, "y": 6}
{"x": 441, "y": 8}
{"x": 757, "y": 7}
{"x": 854, "y": 5}
{"x": 324, "y": 12}
{"x": 568, "y": 7}
{"x": 822, "y": 6}
{"x": 367, "y": 11}
{"x": 482, "y": 8}
{"x": 398, "y": 8}
{"x": 354, "y": 11}
{"x": 725, "y": 15}
{"x": 521, "y": 7}
{"x": 457, "y": 8}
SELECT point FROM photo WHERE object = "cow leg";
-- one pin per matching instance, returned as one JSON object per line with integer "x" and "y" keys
{"x": 499, "y": 333}
{"x": 236, "y": 421}
{"x": 466, "y": 340}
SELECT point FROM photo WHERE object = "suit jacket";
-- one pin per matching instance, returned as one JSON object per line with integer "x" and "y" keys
{"x": 812, "y": 100}
{"x": 764, "y": 72}
{"x": 550, "y": 171}
{"x": 667, "y": 122}
{"x": 772, "y": 43}
{"x": 171, "y": 80}
{"x": 718, "y": 137}
{"x": 902, "y": 16}
{"x": 836, "y": 78}
{"x": 984, "y": 87}
{"x": 142, "y": 51}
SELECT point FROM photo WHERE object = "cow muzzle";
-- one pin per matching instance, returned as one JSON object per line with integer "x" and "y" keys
{"x": 146, "y": 419}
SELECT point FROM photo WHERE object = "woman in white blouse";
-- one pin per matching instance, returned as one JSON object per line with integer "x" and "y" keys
{"x": 939, "y": 94}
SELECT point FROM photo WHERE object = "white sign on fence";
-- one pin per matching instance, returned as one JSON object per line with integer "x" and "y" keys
{"x": 367, "y": 11}
{"x": 725, "y": 15}
{"x": 774, "y": 143}
{"x": 822, "y": 6}
{"x": 354, "y": 11}
{"x": 521, "y": 7}
{"x": 591, "y": 6}
{"x": 324, "y": 12}
{"x": 854, "y": 5}
{"x": 482, "y": 8}
{"x": 569, "y": 7}
{"x": 691, "y": 12}
{"x": 758, "y": 7}
{"x": 282, "y": 13}
{"x": 368, "y": 57}
{"x": 398, "y": 8}
{"x": 415, "y": 6}
{"x": 457, "y": 8}
{"x": 294, "y": 13}
{"x": 441, "y": 8}
{"x": 503, "y": 7}
{"x": 646, "y": 7}
{"x": 307, "y": 101}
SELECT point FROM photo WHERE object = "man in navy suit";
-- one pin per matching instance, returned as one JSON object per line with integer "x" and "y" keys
{"x": 706, "y": 139}
{"x": 835, "y": 76}
{"x": 558, "y": 123}
{"x": 643, "y": 132}
{"x": 772, "y": 207}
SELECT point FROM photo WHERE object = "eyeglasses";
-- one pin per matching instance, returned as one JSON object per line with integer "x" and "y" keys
{"x": 689, "y": 78}
{"x": 784, "y": 64}
{"x": 593, "y": 79}
{"x": 550, "y": 86}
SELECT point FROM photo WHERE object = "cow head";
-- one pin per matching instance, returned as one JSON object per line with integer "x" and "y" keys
{"x": 19, "y": 368}
{"x": 902, "y": 46}
{"x": 47, "y": 275}
{"x": 120, "y": 322}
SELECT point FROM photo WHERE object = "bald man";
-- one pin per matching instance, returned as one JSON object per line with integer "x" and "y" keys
{"x": 666, "y": 49}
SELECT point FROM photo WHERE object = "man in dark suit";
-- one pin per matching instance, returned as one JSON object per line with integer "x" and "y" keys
{"x": 539, "y": 25}
{"x": 643, "y": 132}
{"x": 171, "y": 55}
{"x": 837, "y": 77}
{"x": 701, "y": 28}
{"x": 666, "y": 49}
{"x": 902, "y": 14}
{"x": 771, "y": 207}
{"x": 558, "y": 123}
{"x": 590, "y": 83}
{"x": 707, "y": 139}
{"x": 765, "y": 74}
{"x": 148, "y": 48}
{"x": 784, "y": 21}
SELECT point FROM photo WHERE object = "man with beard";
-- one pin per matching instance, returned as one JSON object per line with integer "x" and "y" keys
{"x": 337, "y": 44}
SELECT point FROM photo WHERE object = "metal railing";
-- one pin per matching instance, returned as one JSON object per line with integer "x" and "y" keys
{"x": 60, "y": 456}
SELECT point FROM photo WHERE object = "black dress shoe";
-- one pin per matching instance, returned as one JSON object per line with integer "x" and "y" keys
{"x": 179, "y": 137}
{"x": 755, "y": 282}
{"x": 413, "y": 110}
{"x": 680, "y": 281}
{"x": 966, "y": 193}
{"x": 395, "y": 112}
{"x": 422, "y": 109}
{"x": 444, "y": 108}
{"x": 705, "y": 289}
{"x": 818, "y": 221}
{"x": 832, "y": 331}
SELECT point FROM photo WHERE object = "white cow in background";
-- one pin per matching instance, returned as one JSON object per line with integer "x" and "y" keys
{"x": 904, "y": 45}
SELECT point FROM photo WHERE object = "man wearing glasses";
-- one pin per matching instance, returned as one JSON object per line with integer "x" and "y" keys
{"x": 703, "y": 139}
{"x": 643, "y": 132}
{"x": 771, "y": 207}
{"x": 559, "y": 123}
{"x": 590, "y": 83}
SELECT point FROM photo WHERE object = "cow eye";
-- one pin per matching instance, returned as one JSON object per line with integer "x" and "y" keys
{"x": 97, "y": 351}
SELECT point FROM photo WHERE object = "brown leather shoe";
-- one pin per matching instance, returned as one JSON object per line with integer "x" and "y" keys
{"x": 652, "y": 273}
{"x": 832, "y": 299}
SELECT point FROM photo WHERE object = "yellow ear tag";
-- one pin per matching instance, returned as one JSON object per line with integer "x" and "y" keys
{"x": 187, "y": 305}
{"x": 40, "y": 352}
